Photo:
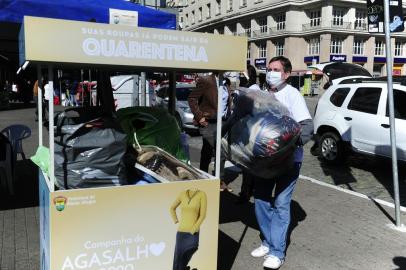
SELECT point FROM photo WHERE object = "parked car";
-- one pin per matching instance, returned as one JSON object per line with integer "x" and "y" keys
{"x": 354, "y": 115}
{"x": 183, "y": 114}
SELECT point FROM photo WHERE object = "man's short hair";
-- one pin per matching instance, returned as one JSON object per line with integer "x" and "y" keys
{"x": 287, "y": 65}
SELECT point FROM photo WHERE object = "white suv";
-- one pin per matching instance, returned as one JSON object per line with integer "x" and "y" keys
{"x": 355, "y": 113}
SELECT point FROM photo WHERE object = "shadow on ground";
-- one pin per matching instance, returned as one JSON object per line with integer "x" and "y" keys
{"x": 244, "y": 213}
{"x": 25, "y": 187}
{"x": 400, "y": 262}
{"x": 380, "y": 167}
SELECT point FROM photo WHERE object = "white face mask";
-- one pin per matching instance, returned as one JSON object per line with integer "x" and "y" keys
{"x": 274, "y": 78}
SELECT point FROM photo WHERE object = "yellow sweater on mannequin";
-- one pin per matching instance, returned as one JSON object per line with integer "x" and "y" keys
{"x": 193, "y": 205}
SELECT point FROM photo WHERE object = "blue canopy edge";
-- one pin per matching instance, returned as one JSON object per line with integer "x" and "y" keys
{"x": 82, "y": 10}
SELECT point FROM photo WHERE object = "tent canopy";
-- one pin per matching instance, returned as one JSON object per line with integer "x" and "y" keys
{"x": 12, "y": 13}
{"x": 82, "y": 10}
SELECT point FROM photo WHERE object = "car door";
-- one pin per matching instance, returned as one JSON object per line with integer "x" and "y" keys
{"x": 399, "y": 97}
{"x": 361, "y": 114}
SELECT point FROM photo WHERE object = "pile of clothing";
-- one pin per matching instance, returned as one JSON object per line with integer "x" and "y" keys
{"x": 139, "y": 145}
{"x": 260, "y": 136}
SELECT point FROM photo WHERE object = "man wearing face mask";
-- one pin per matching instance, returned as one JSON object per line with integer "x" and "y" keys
{"x": 273, "y": 214}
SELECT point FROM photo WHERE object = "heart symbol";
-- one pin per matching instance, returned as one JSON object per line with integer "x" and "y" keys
{"x": 157, "y": 249}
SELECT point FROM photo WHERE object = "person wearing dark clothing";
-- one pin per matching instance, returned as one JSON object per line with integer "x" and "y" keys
{"x": 203, "y": 104}
{"x": 72, "y": 93}
{"x": 247, "y": 185}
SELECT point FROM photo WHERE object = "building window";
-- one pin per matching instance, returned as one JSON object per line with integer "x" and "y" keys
{"x": 315, "y": 18}
{"x": 279, "y": 48}
{"x": 230, "y": 5}
{"x": 314, "y": 46}
{"x": 263, "y": 25}
{"x": 243, "y": 3}
{"x": 360, "y": 20}
{"x": 246, "y": 29}
{"x": 358, "y": 47}
{"x": 218, "y": 7}
{"x": 336, "y": 45}
{"x": 208, "y": 11}
{"x": 186, "y": 19}
{"x": 262, "y": 50}
{"x": 192, "y": 17}
{"x": 249, "y": 51}
{"x": 280, "y": 21}
{"x": 338, "y": 17}
{"x": 399, "y": 48}
{"x": 199, "y": 14}
{"x": 379, "y": 48}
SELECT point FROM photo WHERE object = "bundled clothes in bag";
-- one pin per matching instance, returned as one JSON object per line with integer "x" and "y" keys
{"x": 260, "y": 136}
{"x": 88, "y": 154}
{"x": 152, "y": 126}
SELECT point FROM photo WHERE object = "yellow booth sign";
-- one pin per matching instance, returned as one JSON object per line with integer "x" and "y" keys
{"x": 52, "y": 40}
{"x": 130, "y": 227}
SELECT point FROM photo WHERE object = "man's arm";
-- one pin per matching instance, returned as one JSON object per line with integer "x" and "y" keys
{"x": 307, "y": 131}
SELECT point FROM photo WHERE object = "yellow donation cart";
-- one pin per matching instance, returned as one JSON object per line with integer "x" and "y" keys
{"x": 124, "y": 227}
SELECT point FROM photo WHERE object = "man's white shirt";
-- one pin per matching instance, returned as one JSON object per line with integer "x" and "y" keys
{"x": 291, "y": 98}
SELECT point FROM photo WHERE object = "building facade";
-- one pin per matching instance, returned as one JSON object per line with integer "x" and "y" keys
{"x": 306, "y": 32}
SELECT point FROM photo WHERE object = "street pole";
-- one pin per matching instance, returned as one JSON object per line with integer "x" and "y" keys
{"x": 218, "y": 126}
{"x": 39, "y": 104}
{"x": 143, "y": 79}
{"x": 389, "y": 65}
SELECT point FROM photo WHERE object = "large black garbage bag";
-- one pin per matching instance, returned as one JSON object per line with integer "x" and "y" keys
{"x": 90, "y": 154}
{"x": 260, "y": 136}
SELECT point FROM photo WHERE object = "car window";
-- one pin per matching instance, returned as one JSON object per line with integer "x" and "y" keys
{"x": 365, "y": 99}
{"x": 183, "y": 93}
{"x": 399, "y": 98}
{"x": 338, "y": 97}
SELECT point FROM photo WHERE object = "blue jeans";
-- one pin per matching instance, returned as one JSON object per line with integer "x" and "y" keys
{"x": 186, "y": 245}
{"x": 273, "y": 214}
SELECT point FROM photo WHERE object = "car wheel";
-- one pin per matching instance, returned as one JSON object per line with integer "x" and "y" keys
{"x": 331, "y": 148}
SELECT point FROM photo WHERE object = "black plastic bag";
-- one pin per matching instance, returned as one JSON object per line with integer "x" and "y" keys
{"x": 89, "y": 154}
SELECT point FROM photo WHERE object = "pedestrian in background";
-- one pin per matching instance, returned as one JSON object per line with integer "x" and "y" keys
{"x": 203, "y": 104}
{"x": 273, "y": 214}
{"x": 247, "y": 185}
{"x": 35, "y": 98}
{"x": 73, "y": 87}
{"x": 226, "y": 99}
{"x": 48, "y": 95}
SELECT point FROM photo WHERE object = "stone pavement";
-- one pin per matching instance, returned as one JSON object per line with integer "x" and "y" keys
{"x": 330, "y": 229}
